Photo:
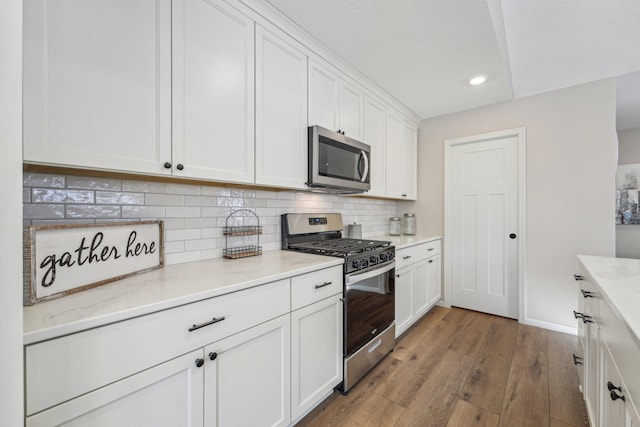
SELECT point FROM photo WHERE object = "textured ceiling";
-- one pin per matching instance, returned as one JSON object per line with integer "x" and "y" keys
{"x": 424, "y": 51}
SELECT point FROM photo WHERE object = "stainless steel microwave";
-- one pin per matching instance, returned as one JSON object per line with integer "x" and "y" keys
{"x": 337, "y": 162}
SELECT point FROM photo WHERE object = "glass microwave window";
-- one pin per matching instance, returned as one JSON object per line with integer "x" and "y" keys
{"x": 339, "y": 161}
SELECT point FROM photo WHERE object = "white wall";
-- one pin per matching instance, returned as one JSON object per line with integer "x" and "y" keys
{"x": 628, "y": 236}
{"x": 11, "y": 407}
{"x": 571, "y": 163}
{"x": 628, "y": 146}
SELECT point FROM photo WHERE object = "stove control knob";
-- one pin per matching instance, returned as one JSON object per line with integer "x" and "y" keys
{"x": 383, "y": 257}
{"x": 354, "y": 263}
{"x": 373, "y": 260}
{"x": 365, "y": 263}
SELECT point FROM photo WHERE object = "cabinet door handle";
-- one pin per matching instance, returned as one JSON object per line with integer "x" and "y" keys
{"x": 611, "y": 386}
{"x": 578, "y": 277}
{"x": 406, "y": 257}
{"x": 199, "y": 363}
{"x": 167, "y": 165}
{"x": 577, "y": 360}
{"x": 180, "y": 166}
{"x": 213, "y": 355}
{"x": 587, "y": 319}
{"x": 202, "y": 325}
{"x": 397, "y": 275}
{"x": 429, "y": 249}
{"x": 323, "y": 285}
{"x": 430, "y": 261}
{"x": 577, "y": 315}
{"x": 586, "y": 294}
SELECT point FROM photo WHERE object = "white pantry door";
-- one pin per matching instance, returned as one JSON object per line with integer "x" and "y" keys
{"x": 483, "y": 222}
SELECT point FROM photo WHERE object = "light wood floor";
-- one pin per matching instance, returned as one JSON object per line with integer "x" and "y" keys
{"x": 462, "y": 368}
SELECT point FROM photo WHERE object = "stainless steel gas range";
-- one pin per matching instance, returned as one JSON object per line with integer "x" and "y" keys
{"x": 369, "y": 287}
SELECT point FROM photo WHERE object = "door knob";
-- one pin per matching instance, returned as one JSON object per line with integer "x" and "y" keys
{"x": 512, "y": 236}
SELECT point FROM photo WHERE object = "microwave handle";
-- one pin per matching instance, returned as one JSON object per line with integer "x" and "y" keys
{"x": 366, "y": 166}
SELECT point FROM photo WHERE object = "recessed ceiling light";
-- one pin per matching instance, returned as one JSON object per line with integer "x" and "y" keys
{"x": 477, "y": 80}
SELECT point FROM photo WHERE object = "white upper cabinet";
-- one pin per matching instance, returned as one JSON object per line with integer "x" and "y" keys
{"x": 97, "y": 84}
{"x": 335, "y": 103}
{"x": 409, "y": 149}
{"x": 374, "y": 136}
{"x": 324, "y": 96}
{"x": 402, "y": 166}
{"x": 281, "y": 112}
{"x": 351, "y": 110}
{"x": 213, "y": 91}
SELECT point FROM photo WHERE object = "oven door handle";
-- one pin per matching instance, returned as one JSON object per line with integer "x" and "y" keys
{"x": 352, "y": 278}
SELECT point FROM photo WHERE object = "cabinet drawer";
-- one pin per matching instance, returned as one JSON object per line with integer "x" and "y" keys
{"x": 405, "y": 257}
{"x": 65, "y": 367}
{"x": 311, "y": 287}
{"x": 426, "y": 250}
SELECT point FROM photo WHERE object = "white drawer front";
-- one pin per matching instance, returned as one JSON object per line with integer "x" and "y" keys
{"x": 404, "y": 257}
{"x": 426, "y": 250}
{"x": 315, "y": 286}
{"x": 62, "y": 368}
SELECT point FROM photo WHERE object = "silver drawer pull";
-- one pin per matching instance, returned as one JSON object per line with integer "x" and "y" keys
{"x": 323, "y": 285}
{"x": 202, "y": 325}
{"x": 406, "y": 257}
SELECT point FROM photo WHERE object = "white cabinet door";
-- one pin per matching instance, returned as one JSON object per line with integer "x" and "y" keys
{"x": 409, "y": 150}
{"x": 213, "y": 91}
{"x": 324, "y": 96}
{"x": 351, "y": 110}
{"x": 316, "y": 349}
{"x": 420, "y": 290}
{"x": 169, "y": 394}
{"x": 281, "y": 112}
{"x": 247, "y": 377}
{"x": 394, "y": 173}
{"x": 434, "y": 279}
{"x": 613, "y": 405}
{"x": 97, "y": 84}
{"x": 374, "y": 136}
{"x": 403, "y": 306}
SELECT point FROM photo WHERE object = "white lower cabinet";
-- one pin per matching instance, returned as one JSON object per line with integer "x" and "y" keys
{"x": 316, "y": 348}
{"x": 169, "y": 394}
{"x": 240, "y": 359}
{"x": 417, "y": 282}
{"x": 247, "y": 377}
{"x": 607, "y": 360}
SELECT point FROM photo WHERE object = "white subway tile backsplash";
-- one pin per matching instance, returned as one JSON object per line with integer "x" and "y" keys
{"x": 194, "y": 190}
{"x": 182, "y": 211}
{"x": 43, "y": 211}
{"x": 154, "y": 199}
{"x": 200, "y": 201}
{"x": 186, "y": 234}
{"x": 42, "y": 180}
{"x": 94, "y": 183}
{"x": 193, "y": 215}
{"x": 92, "y": 211}
{"x": 50, "y": 195}
{"x": 143, "y": 212}
{"x": 144, "y": 186}
{"x": 199, "y": 244}
{"x": 119, "y": 198}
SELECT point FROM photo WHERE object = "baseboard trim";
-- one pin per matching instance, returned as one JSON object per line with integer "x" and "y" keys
{"x": 551, "y": 326}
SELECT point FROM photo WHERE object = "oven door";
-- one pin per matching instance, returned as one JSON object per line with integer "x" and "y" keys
{"x": 370, "y": 305}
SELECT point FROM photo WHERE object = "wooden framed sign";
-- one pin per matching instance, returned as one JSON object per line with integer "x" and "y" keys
{"x": 64, "y": 259}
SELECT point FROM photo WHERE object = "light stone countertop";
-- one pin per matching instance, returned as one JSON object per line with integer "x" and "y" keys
{"x": 618, "y": 280}
{"x": 403, "y": 241}
{"x": 163, "y": 288}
